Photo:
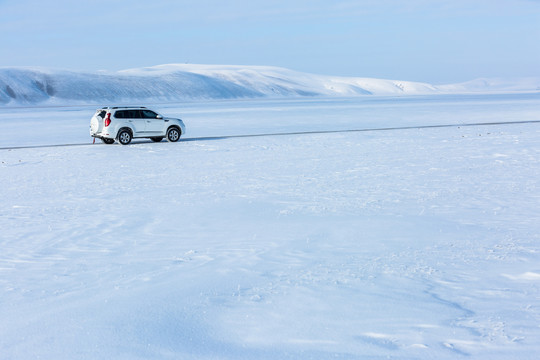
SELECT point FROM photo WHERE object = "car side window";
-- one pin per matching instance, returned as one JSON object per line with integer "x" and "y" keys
{"x": 120, "y": 114}
{"x": 148, "y": 114}
{"x": 133, "y": 114}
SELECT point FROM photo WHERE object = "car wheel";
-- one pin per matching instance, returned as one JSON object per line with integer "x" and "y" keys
{"x": 156, "y": 139}
{"x": 173, "y": 134}
{"x": 107, "y": 141}
{"x": 124, "y": 137}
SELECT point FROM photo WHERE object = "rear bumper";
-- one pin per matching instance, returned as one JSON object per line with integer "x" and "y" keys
{"x": 101, "y": 135}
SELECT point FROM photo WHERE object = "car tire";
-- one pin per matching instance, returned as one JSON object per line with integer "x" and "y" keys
{"x": 107, "y": 141}
{"x": 156, "y": 139}
{"x": 173, "y": 134}
{"x": 124, "y": 137}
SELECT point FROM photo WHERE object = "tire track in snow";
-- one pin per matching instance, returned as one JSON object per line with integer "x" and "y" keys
{"x": 225, "y": 137}
{"x": 360, "y": 130}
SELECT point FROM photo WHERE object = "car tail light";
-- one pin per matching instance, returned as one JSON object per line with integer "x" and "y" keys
{"x": 108, "y": 120}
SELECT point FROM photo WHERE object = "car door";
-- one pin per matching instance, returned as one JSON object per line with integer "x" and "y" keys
{"x": 154, "y": 125}
{"x": 133, "y": 118}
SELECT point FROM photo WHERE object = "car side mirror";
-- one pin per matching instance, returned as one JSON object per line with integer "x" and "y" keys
{"x": 159, "y": 117}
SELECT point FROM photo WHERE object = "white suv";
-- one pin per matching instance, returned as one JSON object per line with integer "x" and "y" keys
{"x": 125, "y": 123}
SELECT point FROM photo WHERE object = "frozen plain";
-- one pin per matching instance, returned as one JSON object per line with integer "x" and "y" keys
{"x": 405, "y": 244}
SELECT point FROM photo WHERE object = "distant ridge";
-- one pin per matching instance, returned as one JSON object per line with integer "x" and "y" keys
{"x": 184, "y": 82}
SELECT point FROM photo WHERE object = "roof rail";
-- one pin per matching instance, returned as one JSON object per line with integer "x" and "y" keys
{"x": 124, "y": 107}
{"x": 128, "y": 107}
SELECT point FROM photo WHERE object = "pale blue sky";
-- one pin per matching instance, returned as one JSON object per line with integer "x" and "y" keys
{"x": 437, "y": 41}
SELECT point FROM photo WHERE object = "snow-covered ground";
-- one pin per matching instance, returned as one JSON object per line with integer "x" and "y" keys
{"x": 406, "y": 244}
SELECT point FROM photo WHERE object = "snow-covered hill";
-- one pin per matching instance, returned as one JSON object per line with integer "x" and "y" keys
{"x": 196, "y": 82}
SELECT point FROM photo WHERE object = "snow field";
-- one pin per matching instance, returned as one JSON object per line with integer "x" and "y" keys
{"x": 418, "y": 243}
{"x": 70, "y": 125}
